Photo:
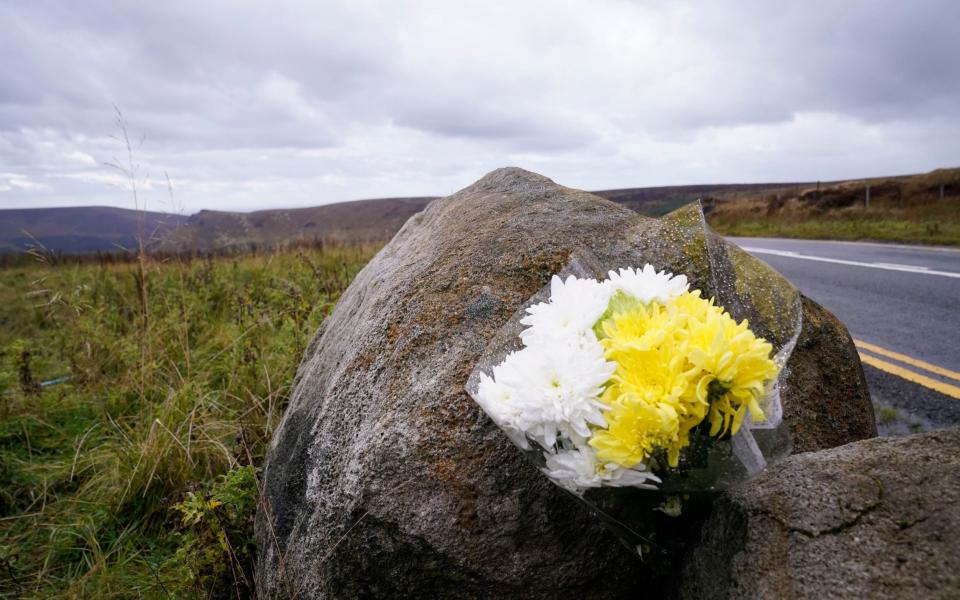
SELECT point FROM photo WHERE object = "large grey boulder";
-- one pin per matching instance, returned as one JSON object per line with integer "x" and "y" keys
{"x": 826, "y": 400}
{"x": 873, "y": 519}
{"x": 385, "y": 480}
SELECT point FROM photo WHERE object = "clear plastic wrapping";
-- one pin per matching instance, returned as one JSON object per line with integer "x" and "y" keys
{"x": 748, "y": 289}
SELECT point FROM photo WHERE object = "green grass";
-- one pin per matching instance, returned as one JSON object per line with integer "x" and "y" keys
{"x": 136, "y": 477}
{"x": 918, "y": 209}
{"x": 888, "y": 414}
{"x": 881, "y": 230}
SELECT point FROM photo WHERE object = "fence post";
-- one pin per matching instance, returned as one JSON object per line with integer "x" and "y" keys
{"x": 866, "y": 198}
{"x": 941, "y": 192}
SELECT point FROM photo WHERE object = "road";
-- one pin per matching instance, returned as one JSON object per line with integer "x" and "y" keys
{"x": 902, "y": 306}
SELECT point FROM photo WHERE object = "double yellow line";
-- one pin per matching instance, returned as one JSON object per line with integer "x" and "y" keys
{"x": 919, "y": 378}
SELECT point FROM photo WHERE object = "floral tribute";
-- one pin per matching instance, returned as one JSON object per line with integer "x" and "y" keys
{"x": 614, "y": 375}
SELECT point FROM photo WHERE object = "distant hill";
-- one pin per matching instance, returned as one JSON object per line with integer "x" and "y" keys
{"x": 81, "y": 229}
{"x": 658, "y": 201}
{"x": 359, "y": 220}
{"x": 913, "y": 209}
{"x": 100, "y": 228}
{"x": 366, "y": 220}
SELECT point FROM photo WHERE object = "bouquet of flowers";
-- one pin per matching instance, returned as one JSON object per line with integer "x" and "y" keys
{"x": 640, "y": 391}
{"x": 637, "y": 380}
{"x": 614, "y": 375}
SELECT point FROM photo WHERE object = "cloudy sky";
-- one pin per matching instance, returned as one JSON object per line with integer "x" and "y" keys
{"x": 250, "y": 105}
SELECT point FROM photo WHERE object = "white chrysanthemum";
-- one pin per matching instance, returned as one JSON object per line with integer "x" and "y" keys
{"x": 548, "y": 391}
{"x": 568, "y": 317}
{"x": 647, "y": 284}
{"x": 502, "y": 404}
{"x": 576, "y": 470}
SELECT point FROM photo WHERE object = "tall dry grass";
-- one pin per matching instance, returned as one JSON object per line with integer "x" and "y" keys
{"x": 136, "y": 476}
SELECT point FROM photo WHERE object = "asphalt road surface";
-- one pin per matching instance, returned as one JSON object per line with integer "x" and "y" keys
{"x": 902, "y": 307}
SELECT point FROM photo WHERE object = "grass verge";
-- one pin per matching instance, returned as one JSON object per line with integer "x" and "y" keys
{"x": 136, "y": 402}
{"x": 914, "y": 209}
{"x": 879, "y": 230}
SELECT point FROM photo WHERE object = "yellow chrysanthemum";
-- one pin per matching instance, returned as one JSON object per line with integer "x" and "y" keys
{"x": 691, "y": 305}
{"x": 734, "y": 367}
{"x": 638, "y": 329}
{"x": 649, "y": 399}
{"x": 634, "y": 430}
{"x": 675, "y": 364}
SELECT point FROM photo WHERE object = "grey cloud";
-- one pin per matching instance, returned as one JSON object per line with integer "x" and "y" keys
{"x": 524, "y": 128}
{"x": 869, "y": 59}
{"x": 332, "y": 100}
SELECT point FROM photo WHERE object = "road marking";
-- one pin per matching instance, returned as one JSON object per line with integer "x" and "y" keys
{"x": 920, "y": 364}
{"x": 855, "y": 263}
{"x": 944, "y": 388}
{"x": 896, "y": 266}
{"x": 849, "y": 243}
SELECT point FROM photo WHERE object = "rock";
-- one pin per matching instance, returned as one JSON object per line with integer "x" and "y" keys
{"x": 873, "y": 519}
{"x": 384, "y": 479}
{"x": 820, "y": 390}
